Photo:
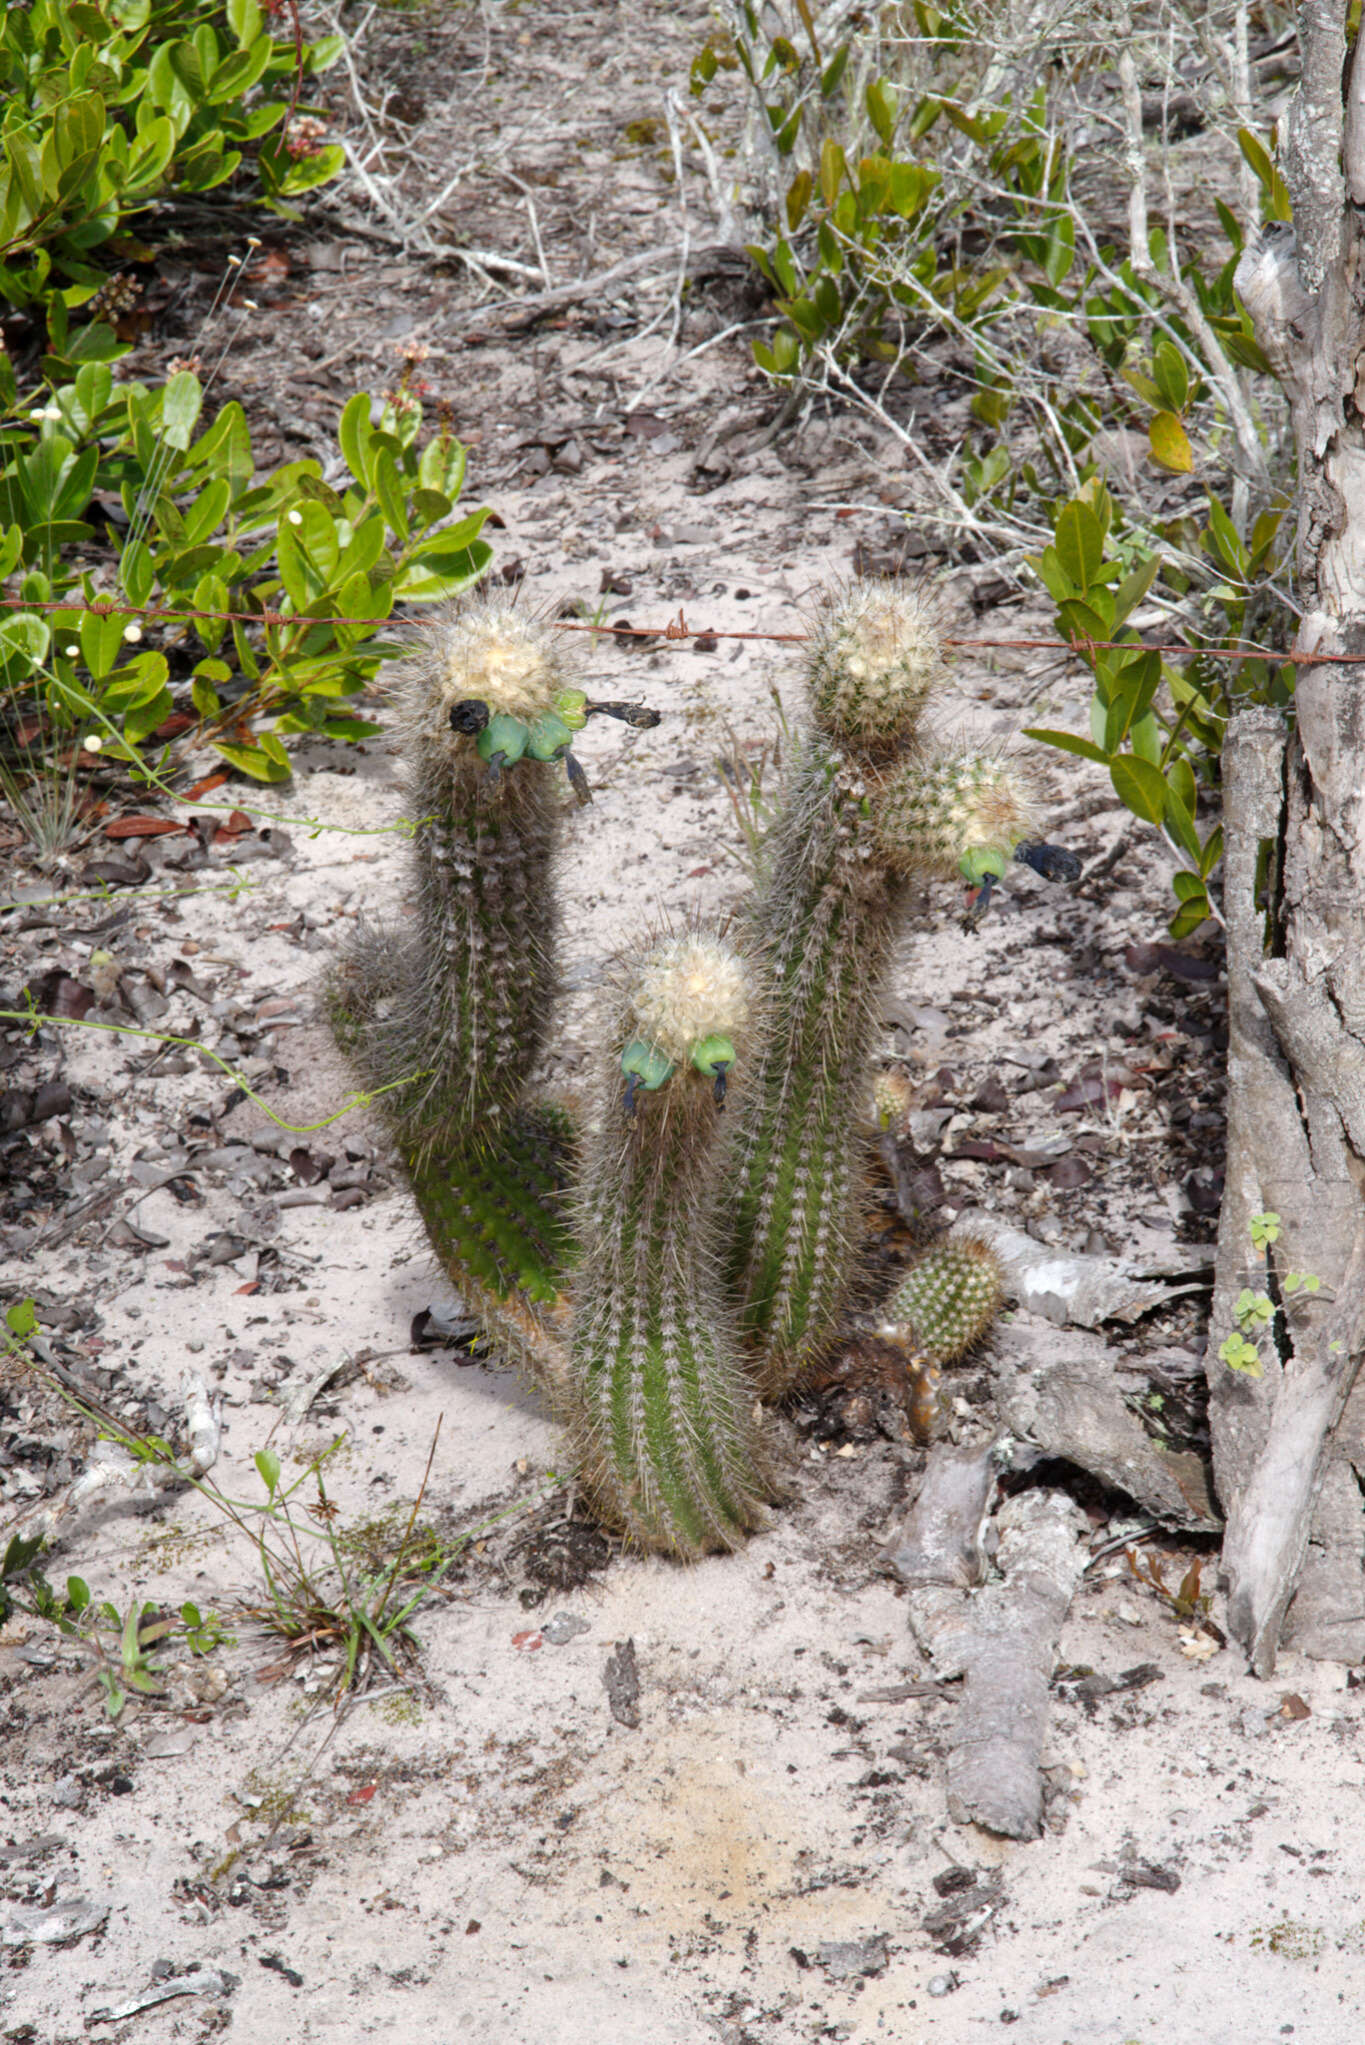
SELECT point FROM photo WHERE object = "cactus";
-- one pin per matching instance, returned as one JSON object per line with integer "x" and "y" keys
{"x": 447, "y": 1021}
{"x": 496, "y": 1213}
{"x": 962, "y": 813}
{"x": 853, "y": 829}
{"x": 948, "y": 1300}
{"x": 875, "y": 656}
{"x": 661, "y": 1403}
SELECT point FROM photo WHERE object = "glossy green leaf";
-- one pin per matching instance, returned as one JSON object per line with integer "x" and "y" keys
{"x": 881, "y": 109}
{"x": 1079, "y": 541}
{"x": 1069, "y": 742}
{"x": 1140, "y": 786}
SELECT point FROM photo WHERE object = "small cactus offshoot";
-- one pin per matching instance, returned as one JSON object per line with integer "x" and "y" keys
{"x": 660, "y": 1402}
{"x": 948, "y": 1300}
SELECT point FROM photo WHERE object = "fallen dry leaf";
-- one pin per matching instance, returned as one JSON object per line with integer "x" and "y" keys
{"x": 142, "y": 827}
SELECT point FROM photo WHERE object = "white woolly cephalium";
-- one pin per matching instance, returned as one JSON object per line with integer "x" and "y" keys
{"x": 687, "y": 989}
{"x": 482, "y": 649}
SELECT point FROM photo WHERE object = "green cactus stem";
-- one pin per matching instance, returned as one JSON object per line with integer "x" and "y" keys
{"x": 449, "y": 1019}
{"x": 446, "y": 1021}
{"x": 856, "y": 824}
{"x": 948, "y": 1300}
{"x": 496, "y": 1212}
{"x": 661, "y": 1411}
{"x": 825, "y": 924}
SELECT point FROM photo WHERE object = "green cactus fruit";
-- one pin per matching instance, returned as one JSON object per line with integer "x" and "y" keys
{"x": 964, "y": 813}
{"x": 949, "y": 1299}
{"x": 447, "y": 1021}
{"x": 875, "y": 656}
{"x": 824, "y": 924}
{"x": 661, "y": 1405}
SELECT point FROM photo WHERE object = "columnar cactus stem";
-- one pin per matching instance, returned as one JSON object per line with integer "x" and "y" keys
{"x": 496, "y": 1211}
{"x": 450, "y": 1018}
{"x": 661, "y": 1412}
{"x": 865, "y": 810}
{"x": 826, "y": 924}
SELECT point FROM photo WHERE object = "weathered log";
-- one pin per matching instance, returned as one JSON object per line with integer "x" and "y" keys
{"x": 942, "y": 1539}
{"x": 1002, "y": 1640}
{"x": 1072, "y": 1288}
{"x": 1074, "y": 1407}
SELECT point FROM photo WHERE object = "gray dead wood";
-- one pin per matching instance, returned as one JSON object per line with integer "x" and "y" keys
{"x": 1066, "y": 1287}
{"x": 1297, "y": 1123}
{"x": 518, "y": 312}
{"x": 1002, "y": 1641}
{"x": 1074, "y": 1407}
{"x": 1259, "y": 1093}
{"x": 941, "y": 1540}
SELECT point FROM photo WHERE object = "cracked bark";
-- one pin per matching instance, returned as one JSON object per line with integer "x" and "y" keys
{"x": 1286, "y": 1448}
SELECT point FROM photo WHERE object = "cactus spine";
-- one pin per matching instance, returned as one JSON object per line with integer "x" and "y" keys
{"x": 660, "y": 1400}
{"x": 948, "y": 1299}
{"x": 867, "y": 808}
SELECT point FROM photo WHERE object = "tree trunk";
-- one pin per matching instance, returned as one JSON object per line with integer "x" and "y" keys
{"x": 1289, "y": 1449}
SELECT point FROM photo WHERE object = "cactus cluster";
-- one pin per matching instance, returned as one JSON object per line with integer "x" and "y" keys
{"x": 699, "y": 1245}
{"x": 858, "y": 824}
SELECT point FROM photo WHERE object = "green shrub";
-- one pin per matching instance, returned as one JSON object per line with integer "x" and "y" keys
{"x": 110, "y": 103}
{"x": 205, "y": 533}
{"x": 1156, "y": 725}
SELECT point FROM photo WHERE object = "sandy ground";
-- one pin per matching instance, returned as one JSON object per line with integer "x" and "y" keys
{"x": 766, "y": 1856}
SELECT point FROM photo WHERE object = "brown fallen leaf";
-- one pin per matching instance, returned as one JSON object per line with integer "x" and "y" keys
{"x": 142, "y": 827}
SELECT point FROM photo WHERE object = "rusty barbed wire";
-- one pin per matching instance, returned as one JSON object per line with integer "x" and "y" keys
{"x": 677, "y": 629}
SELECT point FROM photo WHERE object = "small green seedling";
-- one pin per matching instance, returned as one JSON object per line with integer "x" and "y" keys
{"x": 1265, "y": 1229}
{"x": 1240, "y": 1355}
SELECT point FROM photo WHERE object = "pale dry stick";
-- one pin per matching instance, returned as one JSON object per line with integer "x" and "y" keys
{"x": 652, "y": 383}
{"x": 727, "y": 226}
{"x": 534, "y": 220}
{"x": 674, "y": 305}
{"x": 609, "y": 348}
{"x": 964, "y": 518}
{"x": 447, "y": 188}
{"x": 584, "y": 287}
{"x": 473, "y": 264}
{"x": 381, "y": 203}
{"x": 350, "y": 41}
{"x": 1174, "y": 291}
